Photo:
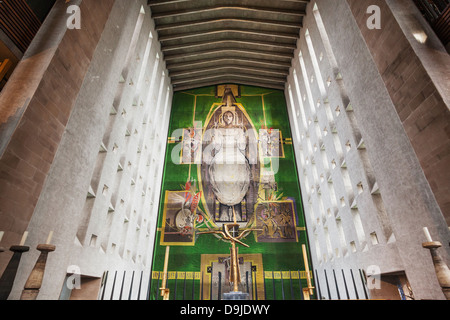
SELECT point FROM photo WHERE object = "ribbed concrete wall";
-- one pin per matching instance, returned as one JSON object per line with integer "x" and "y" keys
{"x": 366, "y": 195}
{"x": 102, "y": 185}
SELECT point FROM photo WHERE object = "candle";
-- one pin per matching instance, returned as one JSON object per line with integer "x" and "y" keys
{"x": 427, "y": 235}
{"x": 24, "y": 238}
{"x": 50, "y": 236}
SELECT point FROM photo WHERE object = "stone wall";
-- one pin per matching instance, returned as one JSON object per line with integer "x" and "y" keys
{"x": 36, "y": 106}
{"x": 414, "y": 66}
{"x": 98, "y": 191}
{"x": 366, "y": 195}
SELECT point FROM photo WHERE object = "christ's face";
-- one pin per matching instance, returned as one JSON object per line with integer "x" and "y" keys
{"x": 228, "y": 118}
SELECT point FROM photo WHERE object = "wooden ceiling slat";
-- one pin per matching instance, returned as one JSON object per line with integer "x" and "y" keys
{"x": 248, "y": 32}
{"x": 249, "y": 20}
{"x": 213, "y": 69}
{"x": 166, "y": 14}
{"x": 207, "y": 42}
{"x": 240, "y": 75}
{"x": 212, "y": 82}
{"x": 231, "y": 60}
{"x": 238, "y": 50}
{"x": 231, "y": 42}
{"x": 154, "y": 3}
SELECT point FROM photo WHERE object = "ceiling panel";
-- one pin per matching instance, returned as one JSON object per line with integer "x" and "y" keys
{"x": 206, "y": 42}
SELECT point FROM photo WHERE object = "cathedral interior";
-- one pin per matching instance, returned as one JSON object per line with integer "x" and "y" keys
{"x": 198, "y": 150}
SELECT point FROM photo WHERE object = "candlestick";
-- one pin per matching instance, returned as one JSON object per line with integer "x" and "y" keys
{"x": 440, "y": 267}
{"x": 165, "y": 292}
{"x": 34, "y": 282}
{"x": 24, "y": 238}
{"x": 307, "y": 292}
{"x": 427, "y": 235}
{"x": 9, "y": 275}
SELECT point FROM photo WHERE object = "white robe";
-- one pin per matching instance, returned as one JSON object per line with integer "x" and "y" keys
{"x": 229, "y": 169}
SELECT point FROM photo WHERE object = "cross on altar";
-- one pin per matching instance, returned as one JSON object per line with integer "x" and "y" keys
{"x": 231, "y": 233}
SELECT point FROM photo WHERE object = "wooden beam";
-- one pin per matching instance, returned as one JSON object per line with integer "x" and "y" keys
{"x": 236, "y": 74}
{"x": 200, "y": 84}
{"x": 5, "y": 66}
{"x": 290, "y": 36}
{"x": 273, "y": 23}
{"x": 231, "y": 42}
{"x": 198, "y": 54}
{"x": 18, "y": 22}
{"x": 240, "y": 75}
{"x": 190, "y": 11}
{"x": 271, "y": 64}
{"x": 154, "y": 3}
{"x": 213, "y": 69}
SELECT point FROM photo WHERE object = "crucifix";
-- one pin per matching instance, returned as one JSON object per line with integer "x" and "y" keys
{"x": 231, "y": 233}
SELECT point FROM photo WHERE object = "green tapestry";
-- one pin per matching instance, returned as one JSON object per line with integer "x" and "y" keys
{"x": 230, "y": 160}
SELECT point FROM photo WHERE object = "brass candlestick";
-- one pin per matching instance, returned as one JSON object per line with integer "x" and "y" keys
{"x": 165, "y": 292}
{"x": 34, "y": 282}
{"x": 309, "y": 291}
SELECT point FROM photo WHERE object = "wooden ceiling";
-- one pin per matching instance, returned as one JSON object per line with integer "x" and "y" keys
{"x": 208, "y": 42}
